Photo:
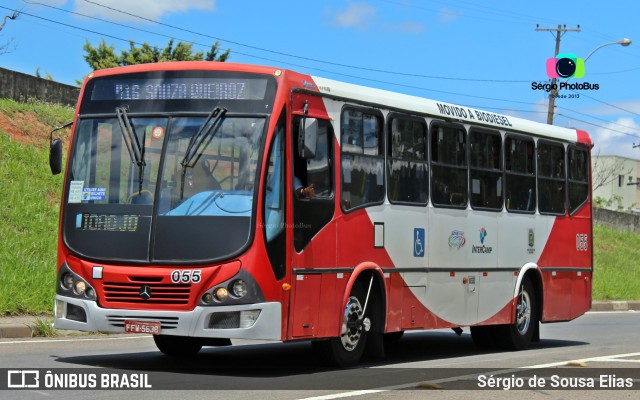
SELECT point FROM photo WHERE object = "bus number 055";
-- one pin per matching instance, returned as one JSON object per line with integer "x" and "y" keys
{"x": 186, "y": 276}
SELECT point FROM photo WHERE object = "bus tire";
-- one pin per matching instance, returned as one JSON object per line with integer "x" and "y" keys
{"x": 518, "y": 336}
{"x": 392, "y": 338}
{"x": 347, "y": 349}
{"x": 177, "y": 346}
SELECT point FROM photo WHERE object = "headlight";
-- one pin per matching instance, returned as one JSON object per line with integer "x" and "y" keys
{"x": 80, "y": 287}
{"x": 73, "y": 285}
{"x": 67, "y": 281}
{"x": 221, "y": 294}
{"x": 239, "y": 288}
{"x": 207, "y": 298}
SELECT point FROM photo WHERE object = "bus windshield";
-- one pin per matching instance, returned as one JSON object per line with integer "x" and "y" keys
{"x": 188, "y": 196}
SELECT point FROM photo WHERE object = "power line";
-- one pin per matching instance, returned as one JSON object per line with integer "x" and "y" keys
{"x": 348, "y": 75}
{"x": 115, "y": 23}
{"x": 599, "y": 119}
{"x": 610, "y": 105}
{"x": 288, "y": 63}
{"x": 73, "y": 26}
{"x": 382, "y": 71}
{"x": 599, "y": 126}
{"x": 475, "y": 8}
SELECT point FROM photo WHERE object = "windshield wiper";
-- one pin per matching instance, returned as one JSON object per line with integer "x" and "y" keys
{"x": 134, "y": 146}
{"x": 199, "y": 142}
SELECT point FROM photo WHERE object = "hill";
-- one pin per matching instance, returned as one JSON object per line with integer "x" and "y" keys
{"x": 30, "y": 198}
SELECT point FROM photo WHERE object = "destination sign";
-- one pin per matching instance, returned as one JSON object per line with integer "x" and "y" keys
{"x": 107, "y": 222}
{"x": 179, "y": 89}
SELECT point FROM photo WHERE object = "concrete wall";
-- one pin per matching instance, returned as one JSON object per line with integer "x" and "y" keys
{"x": 622, "y": 175}
{"x": 21, "y": 87}
{"x": 617, "y": 220}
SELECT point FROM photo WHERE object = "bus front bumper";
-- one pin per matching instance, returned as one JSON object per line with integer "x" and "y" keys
{"x": 260, "y": 321}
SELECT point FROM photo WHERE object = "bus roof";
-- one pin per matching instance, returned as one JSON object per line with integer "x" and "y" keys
{"x": 447, "y": 111}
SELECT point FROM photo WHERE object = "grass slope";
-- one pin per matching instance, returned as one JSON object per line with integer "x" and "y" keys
{"x": 30, "y": 198}
{"x": 616, "y": 266}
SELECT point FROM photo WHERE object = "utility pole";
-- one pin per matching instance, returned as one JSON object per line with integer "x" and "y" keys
{"x": 559, "y": 31}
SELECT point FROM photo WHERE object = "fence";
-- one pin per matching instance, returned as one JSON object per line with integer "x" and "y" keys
{"x": 20, "y": 87}
{"x": 621, "y": 221}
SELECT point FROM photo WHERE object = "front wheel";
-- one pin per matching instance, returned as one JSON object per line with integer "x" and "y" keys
{"x": 177, "y": 346}
{"x": 347, "y": 349}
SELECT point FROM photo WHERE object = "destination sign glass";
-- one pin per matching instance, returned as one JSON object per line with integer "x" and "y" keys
{"x": 179, "y": 89}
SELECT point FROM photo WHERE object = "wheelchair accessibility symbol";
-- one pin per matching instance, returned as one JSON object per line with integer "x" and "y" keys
{"x": 418, "y": 242}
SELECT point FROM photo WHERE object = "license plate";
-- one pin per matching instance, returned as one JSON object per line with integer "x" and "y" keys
{"x": 146, "y": 327}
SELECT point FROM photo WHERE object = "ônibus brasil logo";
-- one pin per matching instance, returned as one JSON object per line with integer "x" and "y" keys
{"x": 565, "y": 66}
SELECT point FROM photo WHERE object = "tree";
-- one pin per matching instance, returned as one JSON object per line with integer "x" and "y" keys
{"x": 7, "y": 46}
{"x": 101, "y": 57}
{"x": 47, "y": 75}
{"x": 104, "y": 56}
{"x": 603, "y": 173}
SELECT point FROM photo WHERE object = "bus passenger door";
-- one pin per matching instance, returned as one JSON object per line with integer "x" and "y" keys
{"x": 314, "y": 233}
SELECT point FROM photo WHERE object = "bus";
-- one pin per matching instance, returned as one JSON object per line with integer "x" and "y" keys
{"x": 205, "y": 202}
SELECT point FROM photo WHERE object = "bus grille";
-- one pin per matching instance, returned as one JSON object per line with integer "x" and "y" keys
{"x": 158, "y": 293}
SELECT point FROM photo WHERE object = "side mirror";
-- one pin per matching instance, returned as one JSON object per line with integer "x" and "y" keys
{"x": 55, "y": 150}
{"x": 55, "y": 156}
{"x": 307, "y": 138}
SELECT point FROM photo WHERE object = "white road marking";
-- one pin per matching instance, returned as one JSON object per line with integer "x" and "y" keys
{"x": 613, "y": 357}
{"x": 35, "y": 341}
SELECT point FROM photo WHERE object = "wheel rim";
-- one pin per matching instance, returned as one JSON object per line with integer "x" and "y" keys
{"x": 523, "y": 313}
{"x": 352, "y": 327}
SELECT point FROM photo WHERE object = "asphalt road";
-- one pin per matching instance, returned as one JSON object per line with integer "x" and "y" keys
{"x": 606, "y": 342}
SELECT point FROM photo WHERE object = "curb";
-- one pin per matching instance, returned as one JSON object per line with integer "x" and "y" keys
{"x": 14, "y": 330}
{"x": 615, "y": 306}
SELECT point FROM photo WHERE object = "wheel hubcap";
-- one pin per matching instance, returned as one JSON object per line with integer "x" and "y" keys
{"x": 352, "y": 324}
{"x": 523, "y": 313}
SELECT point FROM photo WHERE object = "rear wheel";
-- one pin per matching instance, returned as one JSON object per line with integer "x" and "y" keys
{"x": 518, "y": 335}
{"x": 177, "y": 346}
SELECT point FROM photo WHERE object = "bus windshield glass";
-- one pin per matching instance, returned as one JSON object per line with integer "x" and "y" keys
{"x": 163, "y": 188}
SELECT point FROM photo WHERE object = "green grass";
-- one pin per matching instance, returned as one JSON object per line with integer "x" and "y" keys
{"x": 44, "y": 328}
{"x": 616, "y": 269}
{"x": 49, "y": 114}
{"x": 30, "y": 200}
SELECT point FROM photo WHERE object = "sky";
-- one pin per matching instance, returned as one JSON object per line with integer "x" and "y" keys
{"x": 482, "y": 54}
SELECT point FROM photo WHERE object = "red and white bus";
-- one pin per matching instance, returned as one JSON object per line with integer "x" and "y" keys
{"x": 205, "y": 202}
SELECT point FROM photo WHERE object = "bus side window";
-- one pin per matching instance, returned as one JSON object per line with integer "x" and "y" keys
{"x": 551, "y": 178}
{"x": 408, "y": 177}
{"x": 362, "y": 158}
{"x": 520, "y": 174}
{"x": 315, "y": 172}
{"x": 274, "y": 202}
{"x": 486, "y": 169}
{"x": 449, "y": 186}
{"x": 578, "y": 178}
